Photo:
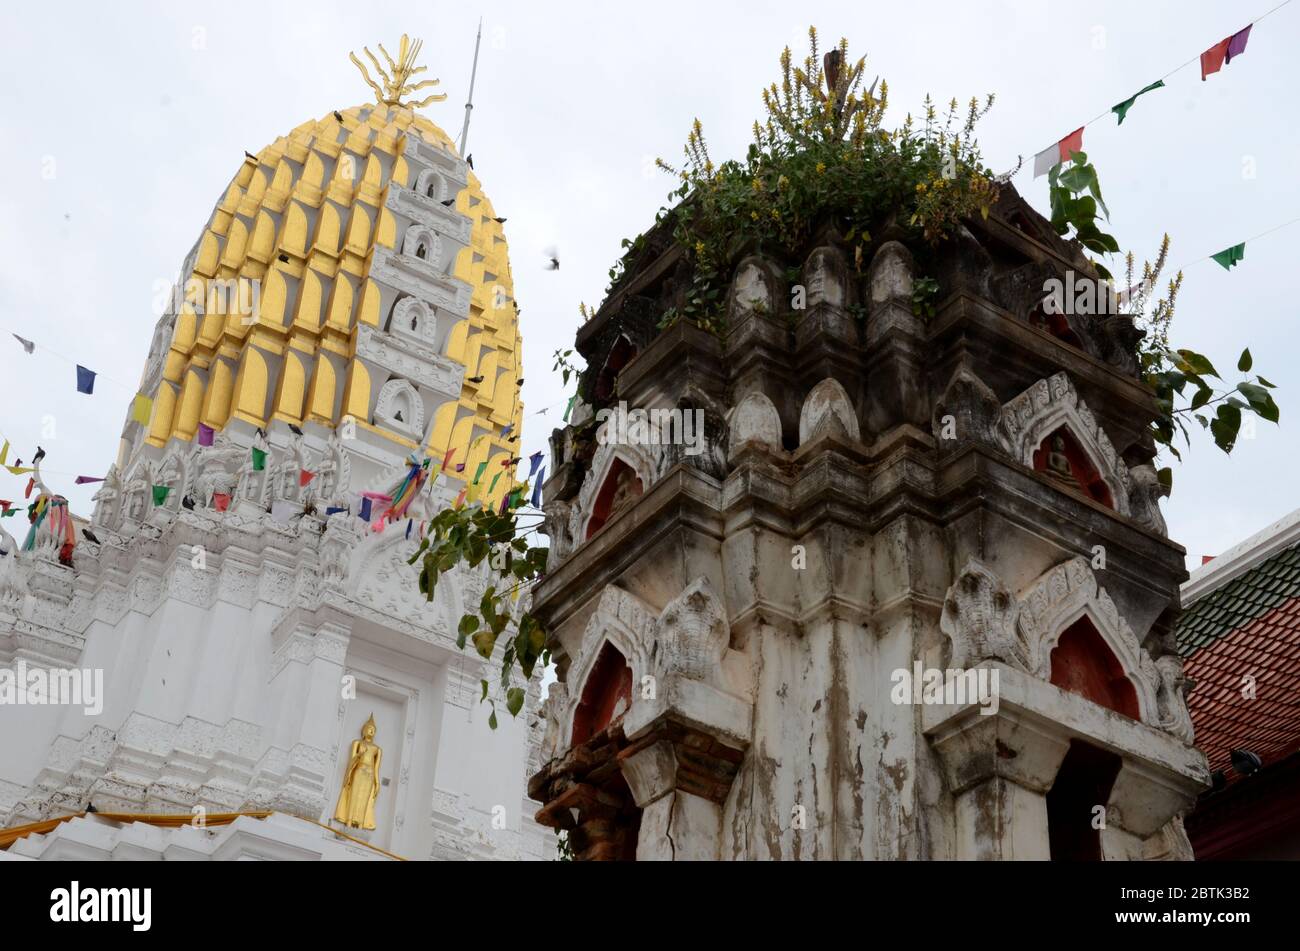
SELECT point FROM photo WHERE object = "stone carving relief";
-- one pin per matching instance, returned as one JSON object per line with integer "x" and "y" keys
{"x": 1145, "y": 493}
{"x": 754, "y": 288}
{"x": 890, "y": 275}
{"x": 974, "y": 409}
{"x": 106, "y": 498}
{"x": 1047, "y": 406}
{"x": 828, "y": 410}
{"x": 693, "y": 633}
{"x": 216, "y": 469}
{"x": 979, "y": 617}
{"x": 754, "y": 419}
{"x": 826, "y": 278}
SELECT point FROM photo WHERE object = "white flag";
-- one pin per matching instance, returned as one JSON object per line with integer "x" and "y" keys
{"x": 1045, "y": 159}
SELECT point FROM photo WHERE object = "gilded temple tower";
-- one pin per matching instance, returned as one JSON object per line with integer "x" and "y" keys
{"x": 340, "y": 357}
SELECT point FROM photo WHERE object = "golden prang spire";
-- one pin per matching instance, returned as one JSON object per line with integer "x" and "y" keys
{"x": 396, "y": 76}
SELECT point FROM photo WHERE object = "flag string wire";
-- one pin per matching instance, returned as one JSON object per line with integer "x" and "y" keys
{"x": 1178, "y": 69}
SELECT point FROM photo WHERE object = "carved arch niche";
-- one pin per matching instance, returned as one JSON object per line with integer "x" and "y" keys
{"x": 420, "y": 242}
{"x": 1077, "y": 640}
{"x": 1051, "y": 419}
{"x": 613, "y": 657}
{"x": 400, "y": 409}
{"x": 619, "y": 476}
{"x": 431, "y": 185}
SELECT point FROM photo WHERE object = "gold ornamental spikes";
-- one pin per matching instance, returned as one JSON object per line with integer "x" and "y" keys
{"x": 396, "y": 77}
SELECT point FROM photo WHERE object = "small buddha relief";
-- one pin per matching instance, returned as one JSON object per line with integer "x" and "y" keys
{"x": 1058, "y": 464}
{"x": 356, "y": 805}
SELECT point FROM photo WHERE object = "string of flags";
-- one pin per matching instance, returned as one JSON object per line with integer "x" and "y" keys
{"x": 1212, "y": 60}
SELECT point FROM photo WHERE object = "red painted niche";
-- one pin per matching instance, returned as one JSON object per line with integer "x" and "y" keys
{"x": 609, "y": 682}
{"x": 1083, "y": 663}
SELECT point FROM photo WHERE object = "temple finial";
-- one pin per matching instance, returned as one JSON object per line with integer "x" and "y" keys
{"x": 395, "y": 77}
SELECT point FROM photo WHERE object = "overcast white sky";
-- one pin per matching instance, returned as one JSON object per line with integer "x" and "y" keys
{"x": 146, "y": 109}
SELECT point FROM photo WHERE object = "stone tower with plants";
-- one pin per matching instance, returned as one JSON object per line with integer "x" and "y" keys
{"x": 907, "y": 592}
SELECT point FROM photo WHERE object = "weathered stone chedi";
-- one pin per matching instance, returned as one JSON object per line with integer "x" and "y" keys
{"x": 877, "y": 489}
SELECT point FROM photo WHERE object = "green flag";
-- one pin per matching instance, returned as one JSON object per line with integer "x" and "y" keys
{"x": 8, "y": 513}
{"x": 1122, "y": 108}
{"x": 493, "y": 484}
{"x": 1230, "y": 256}
{"x": 259, "y": 459}
{"x": 569, "y": 409}
{"x": 160, "y": 493}
{"x": 478, "y": 473}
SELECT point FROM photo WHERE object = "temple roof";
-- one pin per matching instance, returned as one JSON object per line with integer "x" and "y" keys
{"x": 1242, "y": 619}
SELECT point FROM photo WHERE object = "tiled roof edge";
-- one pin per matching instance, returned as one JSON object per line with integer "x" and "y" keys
{"x": 1239, "y": 559}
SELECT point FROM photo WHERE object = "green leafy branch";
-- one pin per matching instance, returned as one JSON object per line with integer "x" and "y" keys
{"x": 470, "y": 536}
{"x": 1075, "y": 199}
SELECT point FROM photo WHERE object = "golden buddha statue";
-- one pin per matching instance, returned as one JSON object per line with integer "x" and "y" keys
{"x": 356, "y": 806}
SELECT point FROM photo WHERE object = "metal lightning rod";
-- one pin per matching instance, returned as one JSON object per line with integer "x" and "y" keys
{"x": 469, "y": 103}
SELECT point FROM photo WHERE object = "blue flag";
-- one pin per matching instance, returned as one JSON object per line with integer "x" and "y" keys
{"x": 85, "y": 380}
{"x": 365, "y": 510}
{"x": 536, "y": 460}
{"x": 537, "y": 488}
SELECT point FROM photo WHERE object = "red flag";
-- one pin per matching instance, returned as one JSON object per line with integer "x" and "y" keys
{"x": 446, "y": 460}
{"x": 220, "y": 501}
{"x": 1071, "y": 143}
{"x": 304, "y": 476}
{"x": 4, "y": 505}
{"x": 460, "y": 499}
{"x": 1212, "y": 59}
{"x": 30, "y": 485}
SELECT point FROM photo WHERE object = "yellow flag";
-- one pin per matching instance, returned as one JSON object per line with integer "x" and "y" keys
{"x": 18, "y": 470}
{"x": 141, "y": 409}
{"x": 4, "y": 453}
{"x": 471, "y": 495}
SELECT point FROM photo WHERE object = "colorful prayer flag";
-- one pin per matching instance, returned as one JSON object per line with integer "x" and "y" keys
{"x": 27, "y": 344}
{"x": 220, "y": 501}
{"x": 141, "y": 409}
{"x": 19, "y": 470}
{"x": 4, "y": 453}
{"x": 82, "y": 480}
{"x": 365, "y": 510}
{"x": 206, "y": 433}
{"x": 1121, "y": 109}
{"x": 535, "y": 460}
{"x": 1230, "y": 256}
{"x": 259, "y": 459}
{"x": 1237, "y": 44}
{"x": 305, "y": 476}
{"x": 160, "y": 493}
{"x": 1047, "y": 159}
{"x": 506, "y": 431}
{"x": 446, "y": 460}
{"x": 493, "y": 484}
{"x": 1212, "y": 59}
{"x": 537, "y": 488}
{"x": 85, "y": 380}
{"x": 460, "y": 499}
{"x": 574, "y": 398}
{"x": 479, "y": 473}
{"x": 335, "y": 509}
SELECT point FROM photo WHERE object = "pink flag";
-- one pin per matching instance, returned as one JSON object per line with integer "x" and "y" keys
{"x": 82, "y": 480}
{"x": 205, "y": 434}
{"x": 220, "y": 501}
